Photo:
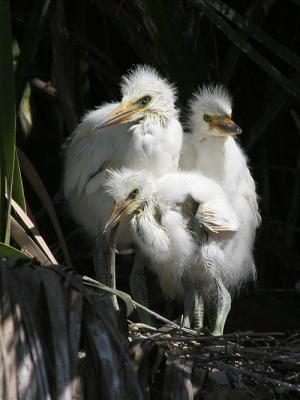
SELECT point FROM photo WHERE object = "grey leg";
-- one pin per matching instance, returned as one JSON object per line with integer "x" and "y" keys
{"x": 189, "y": 300}
{"x": 198, "y": 313}
{"x": 104, "y": 260}
{"x": 218, "y": 306}
{"x": 138, "y": 285}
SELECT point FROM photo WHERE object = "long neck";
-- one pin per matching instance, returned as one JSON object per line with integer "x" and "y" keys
{"x": 149, "y": 233}
{"x": 157, "y": 146}
{"x": 223, "y": 161}
{"x": 211, "y": 157}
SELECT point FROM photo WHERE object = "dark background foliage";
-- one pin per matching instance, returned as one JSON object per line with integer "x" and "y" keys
{"x": 70, "y": 56}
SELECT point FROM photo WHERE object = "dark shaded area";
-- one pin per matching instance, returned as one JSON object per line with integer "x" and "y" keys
{"x": 264, "y": 311}
{"x": 242, "y": 366}
{"x": 58, "y": 339}
{"x": 81, "y": 48}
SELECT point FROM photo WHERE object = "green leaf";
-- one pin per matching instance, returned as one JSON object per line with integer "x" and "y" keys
{"x": 8, "y": 251}
{"x": 11, "y": 181}
{"x": 239, "y": 40}
{"x": 122, "y": 20}
{"x": 26, "y": 221}
{"x": 2, "y": 199}
{"x": 233, "y": 54}
{"x": 30, "y": 44}
{"x": 25, "y": 111}
{"x": 251, "y": 29}
{"x": 18, "y": 190}
{"x": 124, "y": 296}
{"x": 33, "y": 177}
{"x": 272, "y": 111}
{"x": 296, "y": 2}
{"x": 27, "y": 244}
{"x": 8, "y": 117}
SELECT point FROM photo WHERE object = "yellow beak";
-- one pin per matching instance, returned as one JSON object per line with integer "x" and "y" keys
{"x": 123, "y": 113}
{"x": 119, "y": 211}
{"x": 225, "y": 126}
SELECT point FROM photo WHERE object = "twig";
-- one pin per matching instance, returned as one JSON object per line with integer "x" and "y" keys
{"x": 92, "y": 282}
{"x": 161, "y": 318}
{"x": 259, "y": 377}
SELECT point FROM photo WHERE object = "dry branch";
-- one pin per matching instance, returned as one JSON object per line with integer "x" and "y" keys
{"x": 48, "y": 317}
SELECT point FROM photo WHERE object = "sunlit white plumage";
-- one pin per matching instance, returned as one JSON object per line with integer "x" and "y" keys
{"x": 181, "y": 248}
{"x": 142, "y": 131}
{"x": 210, "y": 148}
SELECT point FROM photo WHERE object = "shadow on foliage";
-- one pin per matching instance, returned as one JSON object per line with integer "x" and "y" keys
{"x": 59, "y": 340}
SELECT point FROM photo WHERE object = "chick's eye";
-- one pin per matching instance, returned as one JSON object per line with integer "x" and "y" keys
{"x": 133, "y": 194}
{"x": 145, "y": 100}
{"x": 207, "y": 118}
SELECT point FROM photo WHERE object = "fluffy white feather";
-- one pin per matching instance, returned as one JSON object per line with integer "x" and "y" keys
{"x": 145, "y": 80}
{"x": 161, "y": 229}
{"x": 210, "y": 99}
{"x": 221, "y": 159}
{"x": 151, "y": 141}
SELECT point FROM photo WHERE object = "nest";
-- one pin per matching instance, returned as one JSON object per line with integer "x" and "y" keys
{"x": 239, "y": 366}
{"x": 62, "y": 340}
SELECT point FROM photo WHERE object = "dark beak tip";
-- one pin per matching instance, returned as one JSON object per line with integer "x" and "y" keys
{"x": 95, "y": 128}
{"x": 106, "y": 229}
{"x": 100, "y": 125}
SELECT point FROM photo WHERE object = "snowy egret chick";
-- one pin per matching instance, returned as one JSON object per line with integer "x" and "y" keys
{"x": 177, "y": 220}
{"x": 211, "y": 149}
{"x": 140, "y": 132}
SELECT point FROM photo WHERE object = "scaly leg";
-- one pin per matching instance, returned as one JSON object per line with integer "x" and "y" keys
{"x": 189, "y": 302}
{"x": 218, "y": 306}
{"x": 198, "y": 313}
{"x": 138, "y": 285}
{"x": 104, "y": 260}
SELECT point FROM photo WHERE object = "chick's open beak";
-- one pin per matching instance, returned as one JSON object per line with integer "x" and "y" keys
{"x": 123, "y": 113}
{"x": 225, "y": 126}
{"x": 119, "y": 211}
